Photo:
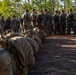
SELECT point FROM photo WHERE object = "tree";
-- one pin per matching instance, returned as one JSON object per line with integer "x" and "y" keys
{"x": 17, "y": 7}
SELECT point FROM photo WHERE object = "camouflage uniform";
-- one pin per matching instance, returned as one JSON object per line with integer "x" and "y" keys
{"x": 70, "y": 22}
{"x": 47, "y": 23}
{"x": 62, "y": 23}
{"x": 56, "y": 24}
{"x": 27, "y": 21}
{"x": 40, "y": 20}
{"x": 2, "y": 25}
{"x": 14, "y": 24}
{"x": 34, "y": 18}
{"x": 8, "y": 23}
{"x": 18, "y": 25}
{"x": 75, "y": 23}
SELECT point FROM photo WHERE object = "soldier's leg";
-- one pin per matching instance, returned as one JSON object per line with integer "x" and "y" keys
{"x": 55, "y": 32}
{"x": 51, "y": 29}
{"x": 44, "y": 28}
{"x": 68, "y": 28}
{"x": 48, "y": 30}
{"x": 64, "y": 28}
{"x": 62, "y": 31}
{"x": 72, "y": 25}
{"x": 58, "y": 28}
{"x": 75, "y": 28}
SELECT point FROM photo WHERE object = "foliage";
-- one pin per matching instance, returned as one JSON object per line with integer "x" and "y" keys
{"x": 17, "y": 7}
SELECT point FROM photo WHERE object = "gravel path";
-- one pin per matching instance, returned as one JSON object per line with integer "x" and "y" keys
{"x": 56, "y": 57}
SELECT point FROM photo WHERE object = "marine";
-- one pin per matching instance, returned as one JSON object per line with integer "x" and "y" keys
{"x": 70, "y": 21}
{"x": 56, "y": 22}
{"x": 34, "y": 17}
{"x": 47, "y": 22}
{"x": 62, "y": 19}
{"x": 27, "y": 20}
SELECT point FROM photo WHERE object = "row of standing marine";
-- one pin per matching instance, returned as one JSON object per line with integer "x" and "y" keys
{"x": 59, "y": 23}
{"x": 9, "y": 23}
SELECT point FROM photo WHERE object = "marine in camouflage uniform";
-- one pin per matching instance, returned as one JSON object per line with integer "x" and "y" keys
{"x": 27, "y": 20}
{"x": 47, "y": 22}
{"x": 34, "y": 17}
{"x": 40, "y": 20}
{"x": 21, "y": 25}
{"x": 2, "y": 24}
{"x": 70, "y": 21}
{"x": 75, "y": 23}
{"x": 56, "y": 23}
{"x": 18, "y": 25}
{"x": 14, "y": 23}
{"x": 8, "y": 23}
{"x": 62, "y": 22}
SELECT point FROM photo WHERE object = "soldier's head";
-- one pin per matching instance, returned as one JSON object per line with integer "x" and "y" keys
{"x": 2, "y": 17}
{"x": 9, "y": 17}
{"x": 45, "y": 10}
{"x": 34, "y": 10}
{"x": 27, "y": 10}
{"x": 55, "y": 12}
{"x": 14, "y": 16}
{"x": 70, "y": 11}
{"x": 41, "y": 11}
{"x": 62, "y": 11}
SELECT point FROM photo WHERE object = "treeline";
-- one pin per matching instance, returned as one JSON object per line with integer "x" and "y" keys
{"x": 17, "y": 7}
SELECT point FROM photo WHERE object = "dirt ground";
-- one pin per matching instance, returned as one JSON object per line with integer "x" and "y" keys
{"x": 56, "y": 57}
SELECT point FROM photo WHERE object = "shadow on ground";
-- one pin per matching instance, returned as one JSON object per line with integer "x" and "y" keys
{"x": 56, "y": 57}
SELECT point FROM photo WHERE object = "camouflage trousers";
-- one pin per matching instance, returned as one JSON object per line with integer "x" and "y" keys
{"x": 70, "y": 25}
{"x": 48, "y": 28}
{"x": 75, "y": 27}
{"x": 27, "y": 26}
{"x": 63, "y": 27}
{"x": 56, "y": 28}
